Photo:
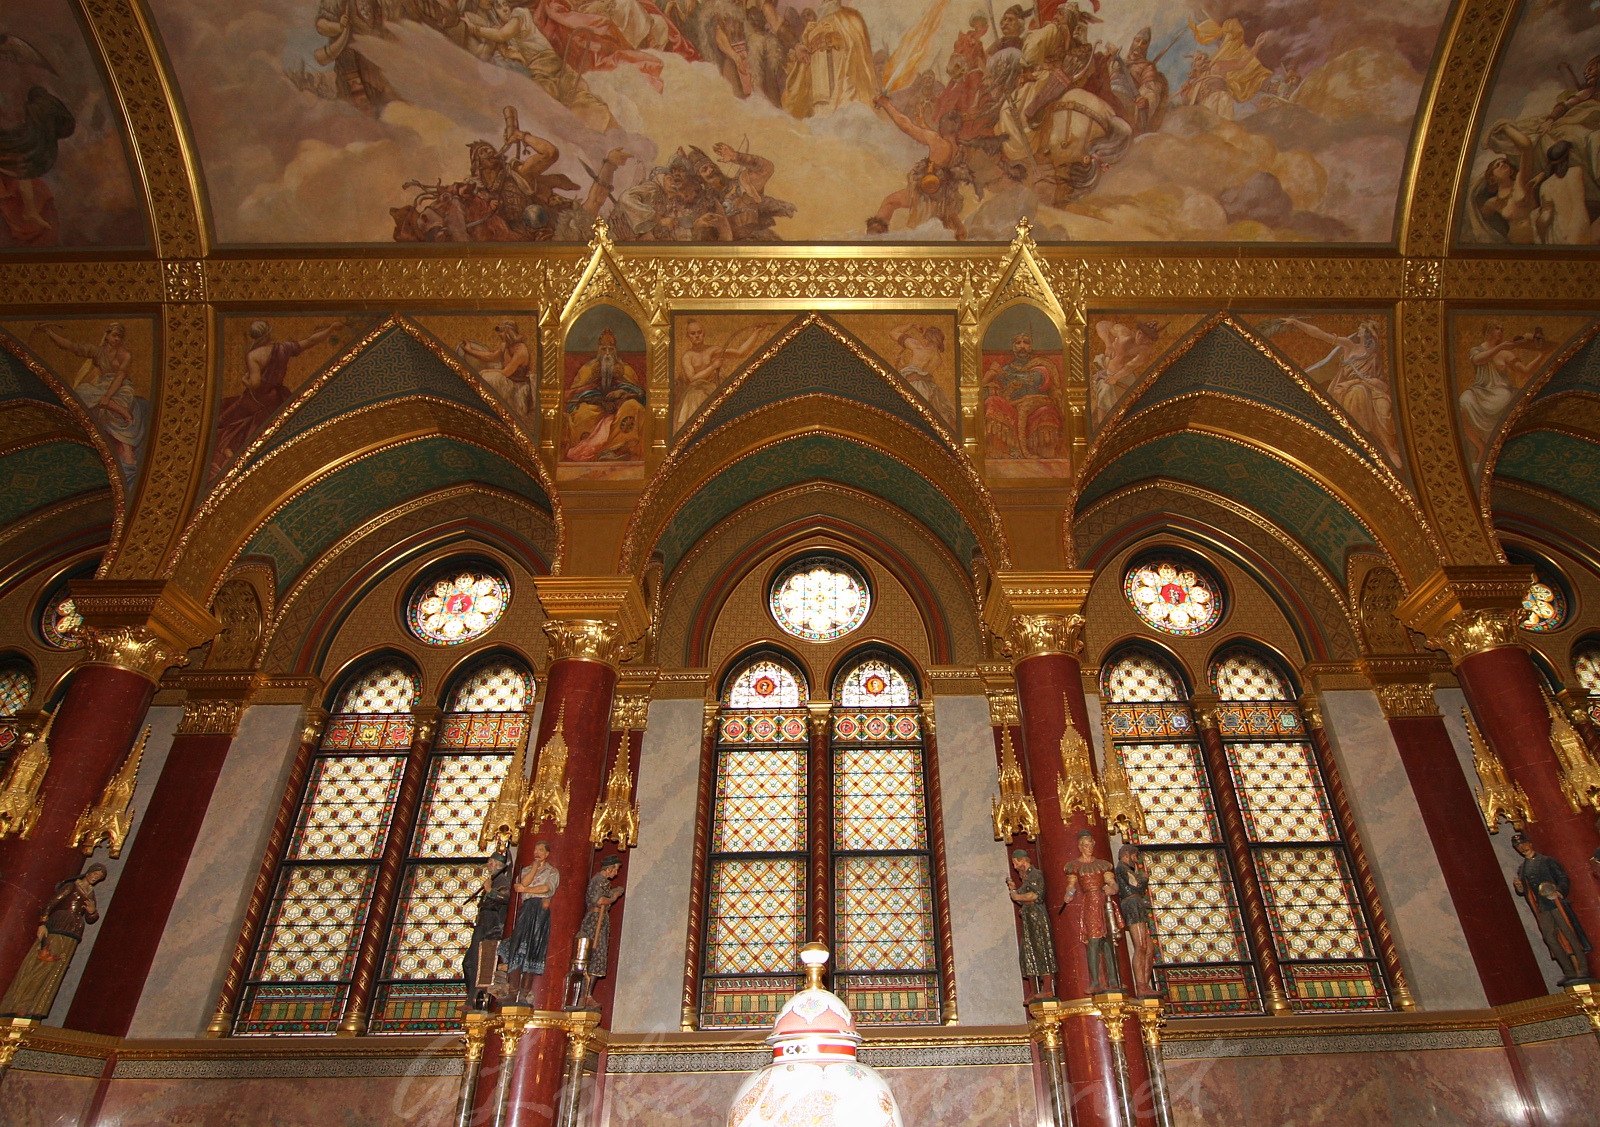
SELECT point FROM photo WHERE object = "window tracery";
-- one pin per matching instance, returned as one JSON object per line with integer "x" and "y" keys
{"x": 1174, "y": 596}
{"x": 819, "y": 599}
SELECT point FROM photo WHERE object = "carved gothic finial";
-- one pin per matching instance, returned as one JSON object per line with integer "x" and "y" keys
{"x": 616, "y": 816}
{"x": 110, "y": 819}
{"x": 1124, "y": 811}
{"x": 601, "y": 239}
{"x": 550, "y": 794}
{"x": 1499, "y": 796}
{"x": 1015, "y": 811}
{"x": 1580, "y": 775}
{"x": 21, "y": 797}
{"x": 503, "y": 820}
{"x": 1076, "y": 787}
{"x": 1024, "y": 236}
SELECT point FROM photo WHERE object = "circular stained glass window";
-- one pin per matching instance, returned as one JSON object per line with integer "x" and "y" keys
{"x": 1544, "y": 606}
{"x": 1173, "y": 596}
{"x": 457, "y": 606}
{"x": 60, "y": 624}
{"x": 819, "y": 599}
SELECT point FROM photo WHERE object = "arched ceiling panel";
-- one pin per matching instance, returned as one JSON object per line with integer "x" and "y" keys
{"x": 43, "y": 475}
{"x": 1564, "y": 464}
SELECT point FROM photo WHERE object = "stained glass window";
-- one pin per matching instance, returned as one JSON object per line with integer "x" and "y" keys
{"x": 766, "y": 683}
{"x": 16, "y": 687}
{"x": 819, "y": 599}
{"x": 1173, "y": 596}
{"x": 875, "y": 684}
{"x": 60, "y": 624}
{"x": 1544, "y": 606}
{"x": 458, "y": 606}
{"x": 1586, "y": 665}
{"x": 1204, "y": 963}
{"x": 1314, "y": 908}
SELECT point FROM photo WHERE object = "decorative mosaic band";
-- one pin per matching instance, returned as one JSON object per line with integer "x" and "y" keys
{"x": 332, "y": 1067}
{"x": 1573, "y": 1025}
{"x": 1313, "y": 1044}
{"x": 58, "y": 1064}
{"x": 748, "y": 1060}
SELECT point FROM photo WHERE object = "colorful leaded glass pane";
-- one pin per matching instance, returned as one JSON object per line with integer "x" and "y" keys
{"x": 883, "y": 913}
{"x": 1281, "y": 792}
{"x": 890, "y": 999}
{"x": 433, "y": 922}
{"x": 484, "y": 730}
{"x": 458, "y": 607}
{"x": 1312, "y": 903}
{"x": 763, "y": 727}
{"x": 60, "y": 624}
{"x": 1241, "y": 674}
{"x": 1586, "y": 664}
{"x": 875, "y": 683}
{"x": 496, "y": 686}
{"x": 1544, "y": 606}
{"x": 384, "y": 687}
{"x": 460, "y": 789}
{"x": 766, "y": 684}
{"x": 878, "y": 800}
{"x": 877, "y": 727}
{"x": 1170, "y": 781}
{"x": 819, "y": 599}
{"x": 16, "y": 689}
{"x": 315, "y": 923}
{"x": 1259, "y": 720}
{"x": 371, "y": 733}
{"x": 1173, "y": 596}
{"x": 1196, "y": 915}
{"x": 761, "y": 800}
{"x": 1148, "y": 721}
{"x": 348, "y": 803}
{"x": 756, "y": 918}
{"x": 1141, "y": 676}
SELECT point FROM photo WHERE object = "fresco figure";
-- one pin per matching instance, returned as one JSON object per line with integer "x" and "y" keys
{"x": 702, "y": 367}
{"x": 918, "y": 360}
{"x": 831, "y": 66}
{"x": 1125, "y": 352}
{"x": 507, "y": 368}
{"x": 596, "y": 925}
{"x": 494, "y": 898}
{"x": 1138, "y": 916}
{"x": 27, "y": 152}
{"x": 1034, "y": 951}
{"x": 1500, "y": 368}
{"x": 605, "y": 408}
{"x": 524, "y": 951}
{"x": 1360, "y": 384}
{"x": 1097, "y": 913}
{"x": 357, "y": 78}
{"x": 933, "y": 186}
{"x": 266, "y": 365}
{"x": 61, "y": 925}
{"x": 1543, "y": 884}
{"x": 1022, "y": 416}
{"x": 104, "y": 385}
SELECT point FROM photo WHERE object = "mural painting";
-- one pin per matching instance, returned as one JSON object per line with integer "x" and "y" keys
{"x": 1122, "y": 347}
{"x": 264, "y": 363}
{"x": 1347, "y": 356}
{"x": 1024, "y": 410}
{"x": 1536, "y": 163}
{"x": 502, "y": 349}
{"x": 801, "y": 120}
{"x": 603, "y": 416}
{"x": 64, "y": 173}
{"x": 708, "y": 349}
{"x": 108, "y": 366}
{"x": 1495, "y": 356}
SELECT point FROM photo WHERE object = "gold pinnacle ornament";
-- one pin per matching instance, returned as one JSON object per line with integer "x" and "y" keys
{"x": 503, "y": 820}
{"x": 1498, "y": 796}
{"x": 21, "y": 797}
{"x": 1580, "y": 775}
{"x": 109, "y": 820}
{"x": 1076, "y": 787}
{"x": 616, "y": 816}
{"x": 1015, "y": 811}
{"x": 1124, "y": 812}
{"x": 550, "y": 794}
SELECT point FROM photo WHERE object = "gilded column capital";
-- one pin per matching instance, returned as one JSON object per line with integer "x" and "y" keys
{"x": 1003, "y": 710}
{"x": 630, "y": 701}
{"x": 1404, "y": 685}
{"x": 214, "y": 703}
{"x": 143, "y": 626}
{"x": 311, "y": 726}
{"x": 1038, "y": 612}
{"x": 211, "y": 717}
{"x": 1468, "y": 610}
{"x": 1203, "y": 707}
{"x": 425, "y": 721}
{"x": 592, "y": 618}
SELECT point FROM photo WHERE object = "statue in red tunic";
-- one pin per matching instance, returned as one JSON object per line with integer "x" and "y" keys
{"x": 1098, "y": 917}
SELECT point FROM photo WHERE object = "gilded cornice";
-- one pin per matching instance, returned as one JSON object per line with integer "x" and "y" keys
{"x": 1404, "y": 685}
{"x": 1467, "y": 610}
{"x": 592, "y": 618}
{"x": 1038, "y": 612}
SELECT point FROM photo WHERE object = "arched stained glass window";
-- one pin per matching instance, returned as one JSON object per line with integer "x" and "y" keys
{"x": 819, "y": 598}
{"x": 766, "y": 683}
{"x": 1544, "y": 606}
{"x": 1586, "y": 665}
{"x": 874, "y": 683}
{"x": 16, "y": 690}
{"x": 1204, "y": 964}
{"x": 1314, "y": 906}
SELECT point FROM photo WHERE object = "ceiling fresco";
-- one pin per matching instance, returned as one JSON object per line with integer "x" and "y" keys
{"x": 1536, "y": 160}
{"x": 64, "y": 177}
{"x": 375, "y": 121}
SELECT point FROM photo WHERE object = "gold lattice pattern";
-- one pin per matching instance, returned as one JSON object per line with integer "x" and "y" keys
{"x": 761, "y": 800}
{"x": 1170, "y": 780}
{"x": 496, "y": 686}
{"x": 883, "y": 913}
{"x": 483, "y": 730}
{"x": 460, "y": 788}
{"x": 756, "y": 918}
{"x": 433, "y": 924}
{"x": 346, "y": 812}
{"x": 878, "y": 800}
{"x": 1281, "y": 792}
{"x": 1196, "y": 915}
{"x": 1241, "y": 674}
{"x": 1141, "y": 676}
{"x": 385, "y": 687}
{"x": 1312, "y": 903}
{"x": 315, "y": 924}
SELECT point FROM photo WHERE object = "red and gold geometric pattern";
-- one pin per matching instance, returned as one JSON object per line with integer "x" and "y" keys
{"x": 877, "y": 726}
{"x": 1170, "y": 780}
{"x": 1311, "y": 900}
{"x": 1281, "y": 792}
{"x": 497, "y": 685}
{"x": 1260, "y": 721}
{"x": 16, "y": 688}
{"x": 345, "y": 814}
{"x": 385, "y": 687}
{"x": 1242, "y": 674}
{"x": 761, "y": 800}
{"x": 314, "y": 923}
{"x": 1149, "y": 722}
{"x": 763, "y": 727}
{"x": 756, "y": 920}
{"x": 883, "y": 914}
{"x": 484, "y": 730}
{"x": 433, "y": 923}
{"x": 1197, "y": 916}
{"x": 345, "y": 733}
{"x": 1140, "y": 676}
{"x": 459, "y": 790}
{"x": 878, "y": 800}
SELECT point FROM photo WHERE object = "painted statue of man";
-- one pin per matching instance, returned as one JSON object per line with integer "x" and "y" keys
{"x": 494, "y": 898}
{"x": 1092, "y": 876}
{"x": 66, "y": 914}
{"x": 1133, "y": 896}
{"x": 524, "y": 952}
{"x": 1035, "y": 952}
{"x": 1543, "y": 883}
{"x": 596, "y": 925}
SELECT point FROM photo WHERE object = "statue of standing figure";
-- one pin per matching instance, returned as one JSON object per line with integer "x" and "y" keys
{"x": 61, "y": 924}
{"x": 1098, "y": 917}
{"x": 596, "y": 925}
{"x": 1133, "y": 896}
{"x": 1542, "y": 881}
{"x": 524, "y": 952}
{"x": 1037, "y": 956}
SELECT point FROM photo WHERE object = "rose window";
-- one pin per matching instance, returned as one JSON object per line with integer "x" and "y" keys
{"x": 820, "y": 599}
{"x": 458, "y": 607}
{"x": 60, "y": 623}
{"x": 1174, "y": 597}
{"x": 1544, "y": 607}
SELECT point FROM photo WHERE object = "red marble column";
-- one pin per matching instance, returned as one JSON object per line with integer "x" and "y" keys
{"x": 1483, "y": 902}
{"x": 131, "y": 930}
{"x": 94, "y": 729}
{"x": 1503, "y": 688}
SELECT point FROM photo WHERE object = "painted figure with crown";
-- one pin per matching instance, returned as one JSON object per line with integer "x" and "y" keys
{"x": 814, "y": 1079}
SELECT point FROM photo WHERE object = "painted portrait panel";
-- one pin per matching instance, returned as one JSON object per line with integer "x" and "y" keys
{"x": 709, "y": 349}
{"x": 265, "y": 361}
{"x": 1494, "y": 356}
{"x": 109, "y": 366}
{"x": 65, "y": 178}
{"x": 604, "y": 423}
{"x": 922, "y": 348}
{"x": 1536, "y": 160}
{"x": 1122, "y": 348}
{"x": 799, "y": 120}
{"x": 1347, "y": 356}
{"x": 1024, "y": 410}
{"x": 502, "y": 349}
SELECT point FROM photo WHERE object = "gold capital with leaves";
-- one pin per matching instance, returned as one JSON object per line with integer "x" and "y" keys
{"x": 108, "y": 821}
{"x": 616, "y": 816}
{"x": 22, "y": 793}
{"x": 1499, "y": 796}
{"x": 1076, "y": 787}
{"x": 550, "y": 794}
{"x": 1015, "y": 811}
